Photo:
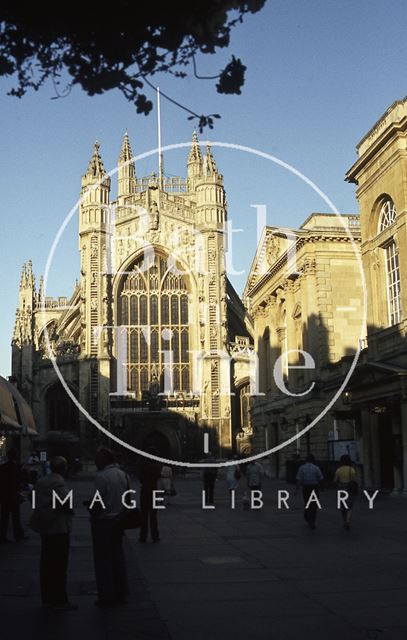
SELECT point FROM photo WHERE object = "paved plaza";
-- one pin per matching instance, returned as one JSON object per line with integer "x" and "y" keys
{"x": 220, "y": 574}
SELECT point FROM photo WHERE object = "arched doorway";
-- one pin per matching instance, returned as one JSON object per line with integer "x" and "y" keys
{"x": 158, "y": 441}
{"x": 61, "y": 413}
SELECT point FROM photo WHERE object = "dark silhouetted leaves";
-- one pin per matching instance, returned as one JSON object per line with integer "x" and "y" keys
{"x": 232, "y": 77}
{"x": 99, "y": 50}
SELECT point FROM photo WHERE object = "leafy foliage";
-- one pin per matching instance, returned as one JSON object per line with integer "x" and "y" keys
{"x": 101, "y": 47}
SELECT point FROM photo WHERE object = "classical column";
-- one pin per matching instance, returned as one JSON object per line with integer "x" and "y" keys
{"x": 367, "y": 448}
{"x": 403, "y": 414}
{"x": 397, "y": 439}
{"x": 374, "y": 431}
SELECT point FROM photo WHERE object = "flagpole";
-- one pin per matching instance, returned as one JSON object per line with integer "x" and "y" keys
{"x": 160, "y": 159}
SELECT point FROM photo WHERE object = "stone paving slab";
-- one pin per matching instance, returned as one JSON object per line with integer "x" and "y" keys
{"x": 228, "y": 574}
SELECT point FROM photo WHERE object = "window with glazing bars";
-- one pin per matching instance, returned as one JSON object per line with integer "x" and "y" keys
{"x": 153, "y": 305}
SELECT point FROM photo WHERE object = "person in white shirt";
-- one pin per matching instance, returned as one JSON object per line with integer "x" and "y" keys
{"x": 110, "y": 569}
{"x": 309, "y": 477}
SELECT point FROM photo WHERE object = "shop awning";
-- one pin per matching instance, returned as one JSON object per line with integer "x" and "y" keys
{"x": 15, "y": 413}
{"x": 8, "y": 414}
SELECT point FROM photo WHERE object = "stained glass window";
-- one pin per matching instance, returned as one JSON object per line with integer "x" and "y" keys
{"x": 153, "y": 305}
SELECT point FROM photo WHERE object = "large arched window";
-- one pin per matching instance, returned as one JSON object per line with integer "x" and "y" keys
{"x": 153, "y": 305}
{"x": 387, "y": 214}
{"x": 387, "y": 217}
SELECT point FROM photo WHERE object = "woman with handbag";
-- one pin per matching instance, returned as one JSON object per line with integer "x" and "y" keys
{"x": 345, "y": 479}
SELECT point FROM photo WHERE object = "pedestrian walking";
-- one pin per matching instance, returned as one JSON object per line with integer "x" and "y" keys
{"x": 254, "y": 475}
{"x": 209, "y": 477}
{"x": 11, "y": 497}
{"x": 233, "y": 475}
{"x": 53, "y": 521}
{"x": 150, "y": 473}
{"x": 107, "y": 536}
{"x": 166, "y": 483}
{"x": 309, "y": 478}
{"x": 345, "y": 479}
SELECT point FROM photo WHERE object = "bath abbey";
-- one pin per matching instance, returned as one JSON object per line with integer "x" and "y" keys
{"x": 153, "y": 342}
{"x": 155, "y": 346}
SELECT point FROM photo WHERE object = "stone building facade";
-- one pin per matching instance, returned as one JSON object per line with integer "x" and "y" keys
{"x": 305, "y": 295}
{"x": 377, "y": 392}
{"x": 153, "y": 341}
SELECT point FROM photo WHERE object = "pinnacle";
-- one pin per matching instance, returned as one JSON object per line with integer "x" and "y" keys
{"x": 195, "y": 154}
{"x": 210, "y": 164}
{"x": 126, "y": 153}
{"x": 95, "y": 167}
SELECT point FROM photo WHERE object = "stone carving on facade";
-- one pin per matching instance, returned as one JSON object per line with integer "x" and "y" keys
{"x": 82, "y": 338}
{"x": 376, "y": 258}
{"x": 308, "y": 267}
{"x": 224, "y": 331}
{"x": 154, "y": 216}
{"x": 201, "y": 287}
{"x": 66, "y": 348}
{"x": 289, "y": 286}
{"x": 272, "y": 249}
{"x": 213, "y": 331}
{"x": 83, "y": 261}
{"x": 205, "y": 398}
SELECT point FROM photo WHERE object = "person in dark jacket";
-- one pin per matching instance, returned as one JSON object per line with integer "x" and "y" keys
{"x": 10, "y": 498}
{"x": 53, "y": 522}
{"x": 150, "y": 473}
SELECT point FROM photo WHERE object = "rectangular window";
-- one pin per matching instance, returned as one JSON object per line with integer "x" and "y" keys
{"x": 393, "y": 284}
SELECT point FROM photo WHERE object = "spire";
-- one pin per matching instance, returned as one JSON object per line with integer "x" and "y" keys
{"x": 96, "y": 178}
{"x": 41, "y": 291}
{"x": 194, "y": 162}
{"x": 209, "y": 163}
{"x": 195, "y": 154}
{"x": 23, "y": 277}
{"x": 29, "y": 274}
{"x": 126, "y": 153}
{"x": 95, "y": 166}
{"x": 126, "y": 170}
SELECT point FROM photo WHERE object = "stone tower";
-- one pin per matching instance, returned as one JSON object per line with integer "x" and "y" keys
{"x": 93, "y": 220}
{"x": 24, "y": 330}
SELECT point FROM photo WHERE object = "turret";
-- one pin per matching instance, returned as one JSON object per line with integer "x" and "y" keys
{"x": 23, "y": 327}
{"x": 95, "y": 182}
{"x": 93, "y": 226}
{"x": 126, "y": 170}
{"x": 211, "y": 200}
{"x": 194, "y": 166}
{"x": 27, "y": 293}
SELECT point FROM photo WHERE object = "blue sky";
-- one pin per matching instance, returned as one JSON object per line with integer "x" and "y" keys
{"x": 320, "y": 73}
